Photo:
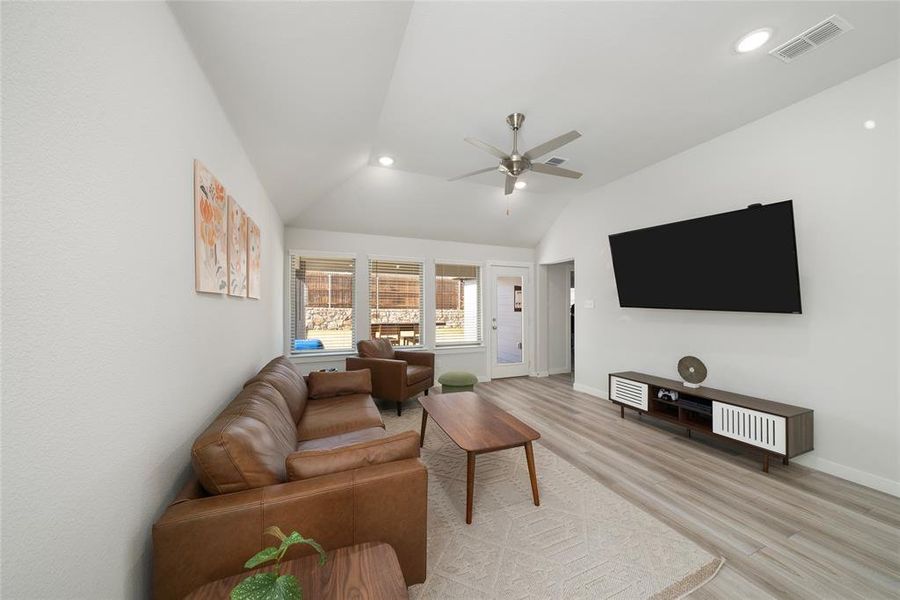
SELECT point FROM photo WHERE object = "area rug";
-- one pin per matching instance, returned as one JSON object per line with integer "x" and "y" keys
{"x": 583, "y": 541}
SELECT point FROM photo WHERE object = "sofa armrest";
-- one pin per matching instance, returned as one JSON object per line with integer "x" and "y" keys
{"x": 424, "y": 359}
{"x": 200, "y": 540}
{"x": 388, "y": 376}
{"x": 315, "y": 463}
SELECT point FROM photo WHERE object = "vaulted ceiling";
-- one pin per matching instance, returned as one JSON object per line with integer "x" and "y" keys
{"x": 317, "y": 91}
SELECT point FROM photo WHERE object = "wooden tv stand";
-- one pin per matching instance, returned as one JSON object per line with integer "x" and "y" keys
{"x": 777, "y": 429}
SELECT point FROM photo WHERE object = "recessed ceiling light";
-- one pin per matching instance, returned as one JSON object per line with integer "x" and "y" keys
{"x": 521, "y": 185}
{"x": 753, "y": 40}
{"x": 870, "y": 124}
{"x": 385, "y": 161}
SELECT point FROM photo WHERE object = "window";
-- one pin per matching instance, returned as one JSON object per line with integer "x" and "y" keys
{"x": 458, "y": 304}
{"x": 395, "y": 301}
{"x": 321, "y": 304}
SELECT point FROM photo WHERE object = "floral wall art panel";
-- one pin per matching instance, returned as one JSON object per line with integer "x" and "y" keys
{"x": 237, "y": 249}
{"x": 210, "y": 235}
{"x": 253, "y": 259}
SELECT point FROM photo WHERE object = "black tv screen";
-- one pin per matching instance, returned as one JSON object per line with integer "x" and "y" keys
{"x": 745, "y": 260}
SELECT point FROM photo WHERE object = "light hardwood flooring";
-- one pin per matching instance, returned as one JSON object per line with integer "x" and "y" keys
{"x": 794, "y": 533}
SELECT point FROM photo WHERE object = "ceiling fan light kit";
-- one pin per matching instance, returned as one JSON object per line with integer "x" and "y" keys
{"x": 514, "y": 164}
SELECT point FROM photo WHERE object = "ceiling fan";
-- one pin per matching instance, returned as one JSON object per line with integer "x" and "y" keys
{"x": 514, "y": 164}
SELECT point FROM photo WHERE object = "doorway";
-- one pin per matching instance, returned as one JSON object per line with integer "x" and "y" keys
{"x": 509, "y": 319}
{"x": 571, "y": 339}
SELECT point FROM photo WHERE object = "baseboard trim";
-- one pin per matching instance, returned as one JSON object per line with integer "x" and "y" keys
{"x": 559, "y": 371}
{"x": 876, "y": 482}
{"x": 539, "y": 374}
{"x": 586, "y": 389}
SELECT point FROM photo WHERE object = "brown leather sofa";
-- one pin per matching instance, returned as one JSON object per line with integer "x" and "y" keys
{"x": 397, "y": 375}
{"x": 307, "y": 455}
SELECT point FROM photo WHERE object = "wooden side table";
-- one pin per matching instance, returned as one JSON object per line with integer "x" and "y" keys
{"x": 367, "y": 571}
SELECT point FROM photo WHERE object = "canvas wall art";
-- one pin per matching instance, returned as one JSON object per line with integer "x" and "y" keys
{"x": 253, "y": 259}
{"x": 210, "y": 235}
{"x": 237, "y": 249}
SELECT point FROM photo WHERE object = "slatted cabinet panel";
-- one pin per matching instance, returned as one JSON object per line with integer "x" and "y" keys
{"x": 632, "y": 393}
{"x": 750, "y": 426}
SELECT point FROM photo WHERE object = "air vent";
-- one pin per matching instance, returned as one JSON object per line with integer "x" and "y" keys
{"x": 812, "y": 38}
{"x": 555, "y": 161}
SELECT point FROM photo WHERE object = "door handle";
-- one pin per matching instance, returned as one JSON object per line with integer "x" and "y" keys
{"x": 494, "y": 323}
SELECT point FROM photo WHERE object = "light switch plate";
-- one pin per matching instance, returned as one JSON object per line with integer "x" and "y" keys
{"x": 589, "y": 304}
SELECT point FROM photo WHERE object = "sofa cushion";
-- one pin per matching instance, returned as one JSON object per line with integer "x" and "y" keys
{"x": 314, "y": 463}
{"x": 245, "y": 446}
{"x": 324, "y": 384}
{"x": 342, "y": 439}
{"x": 376, "y": 348}
{"x": 334, "y": 416}
{"x": 417, "y": 373}
{"x": 281, "y": 374}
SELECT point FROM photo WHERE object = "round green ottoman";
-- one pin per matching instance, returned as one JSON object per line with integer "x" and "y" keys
{"x": 457, "y": 381}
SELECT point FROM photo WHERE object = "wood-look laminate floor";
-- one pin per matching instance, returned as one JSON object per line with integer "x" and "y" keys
{"x": 794, "y": 533}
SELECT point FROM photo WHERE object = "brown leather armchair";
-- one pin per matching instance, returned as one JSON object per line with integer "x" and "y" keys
{"x": 397, "y": 375}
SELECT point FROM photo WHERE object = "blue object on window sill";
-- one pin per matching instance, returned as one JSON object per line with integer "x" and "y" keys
{"x": 308, "y": 345}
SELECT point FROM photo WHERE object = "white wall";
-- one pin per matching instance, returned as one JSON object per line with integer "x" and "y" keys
{"x": 473, "y": 360}
{"x": 840, "y": 356}
{"x": 111, "y": 362}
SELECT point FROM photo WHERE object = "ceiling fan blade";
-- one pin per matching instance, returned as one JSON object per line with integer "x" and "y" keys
{"x": 551, "y": 170}
{"x": 552, "y": 145}
{"x": 510, "y": 184}
{"x": 478, "y": 172}
{"x": 487, "y": 147}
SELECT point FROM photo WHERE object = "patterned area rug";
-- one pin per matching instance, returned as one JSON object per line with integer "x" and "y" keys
{"x": 584, "y": 541}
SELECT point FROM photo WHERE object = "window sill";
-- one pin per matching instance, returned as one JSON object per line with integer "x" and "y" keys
{"x": 461, "y": 349}
{"x": 317, "y": 357}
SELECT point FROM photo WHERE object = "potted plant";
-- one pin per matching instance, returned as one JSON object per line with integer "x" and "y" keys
{"x": 272, "y": 585}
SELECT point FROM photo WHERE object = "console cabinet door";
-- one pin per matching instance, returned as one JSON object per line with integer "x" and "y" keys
{"x": 628, "y": 392}
{"x": 750, "y": 426}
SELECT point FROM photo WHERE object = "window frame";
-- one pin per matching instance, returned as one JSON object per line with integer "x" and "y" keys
{"x": 481, "y": 275}
{"x": 423, "y": 323}
{"x": 289, "y": 334}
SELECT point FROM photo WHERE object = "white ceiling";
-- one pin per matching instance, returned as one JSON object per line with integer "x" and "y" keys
{"x": 318, "y": 90}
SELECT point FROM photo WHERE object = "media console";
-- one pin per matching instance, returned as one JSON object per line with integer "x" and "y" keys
{"x": 777, "y": 429}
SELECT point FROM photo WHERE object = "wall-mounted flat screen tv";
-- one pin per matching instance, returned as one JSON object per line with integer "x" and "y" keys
{"x": 745, "y": 260}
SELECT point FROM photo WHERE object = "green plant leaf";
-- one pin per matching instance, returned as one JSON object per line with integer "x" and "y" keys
{"x": 255, "y": 587}
{"x": 296, "y": 538}
{"x": 268, "y": 586}
{"x": 263, "y": 556}
{"x": 287, "y": 588}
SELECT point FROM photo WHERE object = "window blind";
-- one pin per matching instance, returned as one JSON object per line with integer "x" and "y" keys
{"x": 395, "y": 301}
{"x": 322, "y": 304}
{"x": 457, "y": 304}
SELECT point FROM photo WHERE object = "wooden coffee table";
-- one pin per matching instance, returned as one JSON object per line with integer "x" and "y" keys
{"x": 369, "y": 571}
{"x": 478, "y": 427}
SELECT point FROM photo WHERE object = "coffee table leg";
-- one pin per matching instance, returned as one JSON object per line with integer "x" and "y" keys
{"x": 529, "y": 456}
{"x": 424, "y": 421}
{"x": 470, "y": 485}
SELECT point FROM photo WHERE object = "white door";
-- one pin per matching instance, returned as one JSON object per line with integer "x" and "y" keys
{"x": 509, "y": 317}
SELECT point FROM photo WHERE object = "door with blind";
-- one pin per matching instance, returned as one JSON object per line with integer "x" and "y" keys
{"x": 509, "y": 318}
{"x": 395, "y": 301}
